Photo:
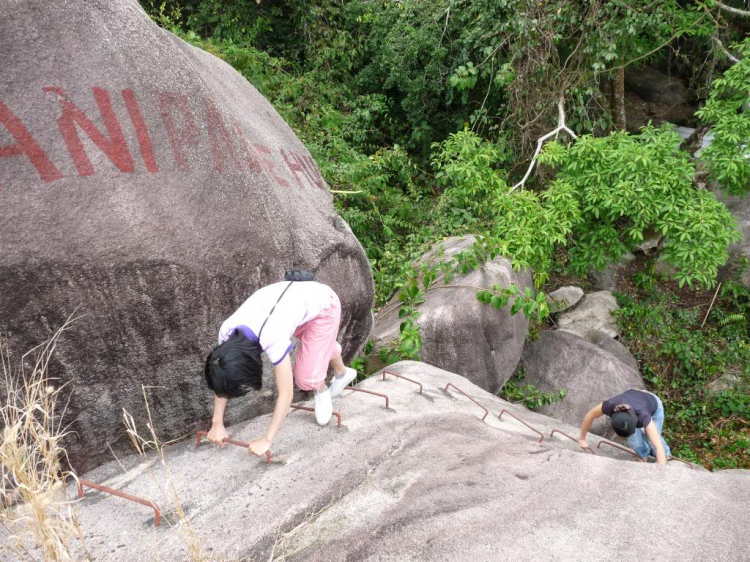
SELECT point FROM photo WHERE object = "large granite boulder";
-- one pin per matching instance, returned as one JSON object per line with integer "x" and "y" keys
{"x": 426, "y": 480}
{"x": 588, "y": 373}
{"x": 608, "y": 343}
{"x": 148, "y": 188}
{"x": 460, "y": 334}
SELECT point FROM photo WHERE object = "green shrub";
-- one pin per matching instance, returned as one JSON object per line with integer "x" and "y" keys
{"x": 527, "y": 394}
{"x": 629, "y": 184}
{"x": 727, "y": 110}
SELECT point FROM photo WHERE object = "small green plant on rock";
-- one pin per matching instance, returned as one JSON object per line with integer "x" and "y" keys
{"x": 527, "y": 394}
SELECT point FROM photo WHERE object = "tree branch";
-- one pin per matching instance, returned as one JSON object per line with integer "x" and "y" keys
{"x": 743, "y": 13}
{"x": 724, "y": 50}
{"x": 560, "y": 127}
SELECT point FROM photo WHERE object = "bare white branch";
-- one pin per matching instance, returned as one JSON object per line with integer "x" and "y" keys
{"x": 724, "y": 50}
{"x": 560, "y": 127}
{"x": 744, "y": 13}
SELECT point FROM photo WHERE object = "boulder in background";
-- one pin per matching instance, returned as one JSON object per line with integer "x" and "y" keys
{"x": 459, "y": 333}
{"x": 593, "y": 312}
{"x": 564, "y": 298}
{"x": 588, "y": 373}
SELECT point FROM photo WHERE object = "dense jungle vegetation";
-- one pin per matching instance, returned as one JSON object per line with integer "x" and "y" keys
{"x": 424, "y": 116}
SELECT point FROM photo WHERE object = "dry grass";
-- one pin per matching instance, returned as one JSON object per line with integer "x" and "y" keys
{"x": 149, "y": 448}
{"x": 285, "y": 546}
{"x": 38, "y": 520}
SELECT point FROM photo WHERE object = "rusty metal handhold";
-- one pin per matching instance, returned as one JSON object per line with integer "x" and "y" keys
{"x": 112, "y": 491}
{"x": 486, "y": 411}
{"x": 369, "y": 392}
{"x": 618, "y": 446}
{"x": 403, "y": 377}
{"x": 230, "y": 441}
{"x": 511, "y": 414}
{"x": 588, "y": 450}
{"x": 306, "y": 408}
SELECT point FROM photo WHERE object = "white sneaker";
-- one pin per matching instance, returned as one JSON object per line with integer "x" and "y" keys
{"x": 338, "y": 384}
{"x": 323, "y": 407}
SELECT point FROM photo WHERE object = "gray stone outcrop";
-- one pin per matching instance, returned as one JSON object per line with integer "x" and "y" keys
{"x": 739, "y": 252}
{"x": 588, "y": 373}
{"x": 148, "y": 188}
{"x": 458, "y": 332}
{"x": 613, "y": 346}
{"x": 564, "y": 298}
{"x": 593, "y": 312}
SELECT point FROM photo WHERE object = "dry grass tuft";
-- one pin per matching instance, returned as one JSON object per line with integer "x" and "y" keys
{"x": 38, "y": 520}
{"x": 151, "y": 444}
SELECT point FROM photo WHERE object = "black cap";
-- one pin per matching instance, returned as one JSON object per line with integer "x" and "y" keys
{"x": 623, "y": 422}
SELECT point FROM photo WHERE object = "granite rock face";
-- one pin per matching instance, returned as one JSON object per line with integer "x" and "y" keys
{"x": 426, "y": 480}
{"x": 564, "y": 298}
{"x": 593, "y": 312}
{"x": 608, "y": 343}
{"x": 460, "y": 334}
{"x": 739, "y": 252}
{"x": 588, "y": 373}
{"x": 149, "y": 188}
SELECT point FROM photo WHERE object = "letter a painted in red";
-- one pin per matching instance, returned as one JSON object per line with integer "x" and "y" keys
{"x": 113, "y": 146}
{"x": 26, "y": 145}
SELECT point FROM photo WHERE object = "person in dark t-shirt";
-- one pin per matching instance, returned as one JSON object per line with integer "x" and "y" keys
{"x": 637, "y": 415}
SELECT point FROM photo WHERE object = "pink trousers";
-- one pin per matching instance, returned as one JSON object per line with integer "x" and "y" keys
{"x": 318, "y": 346}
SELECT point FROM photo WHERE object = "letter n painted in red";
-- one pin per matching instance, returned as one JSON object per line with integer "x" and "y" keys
{"x": 26, "y": 145}
{"x": 179, "y": 138}
{"x": 113, "y": 146}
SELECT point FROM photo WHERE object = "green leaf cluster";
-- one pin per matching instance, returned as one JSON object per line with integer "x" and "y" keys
{"x": 627, "y": 185}
{"x": 727, "y": 110}
{"x": 527, "y": 394}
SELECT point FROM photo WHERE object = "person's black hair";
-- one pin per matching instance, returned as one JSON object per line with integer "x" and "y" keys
{"x": 234, "y": 367}
{"x": 624, "y": 422}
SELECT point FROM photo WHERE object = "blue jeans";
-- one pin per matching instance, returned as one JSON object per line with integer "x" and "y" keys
{"x": 639, "y": 441}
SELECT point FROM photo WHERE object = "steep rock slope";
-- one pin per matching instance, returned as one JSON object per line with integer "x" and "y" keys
{"x": 426, "y": 479}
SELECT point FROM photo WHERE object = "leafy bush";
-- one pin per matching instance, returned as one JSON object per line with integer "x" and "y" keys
{"x": 628, "y": 184}
{"x": 529, "y": 226}
{"x": 728, "y": 111}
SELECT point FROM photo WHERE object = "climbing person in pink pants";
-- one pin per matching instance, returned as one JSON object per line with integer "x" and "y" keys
{"x": 266, "y": 322}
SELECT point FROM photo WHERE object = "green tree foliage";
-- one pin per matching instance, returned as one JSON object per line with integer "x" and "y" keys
{"x": 529, "y": 225}
{"x": 728, "y": 112}
{"x": 629, "y": 184}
